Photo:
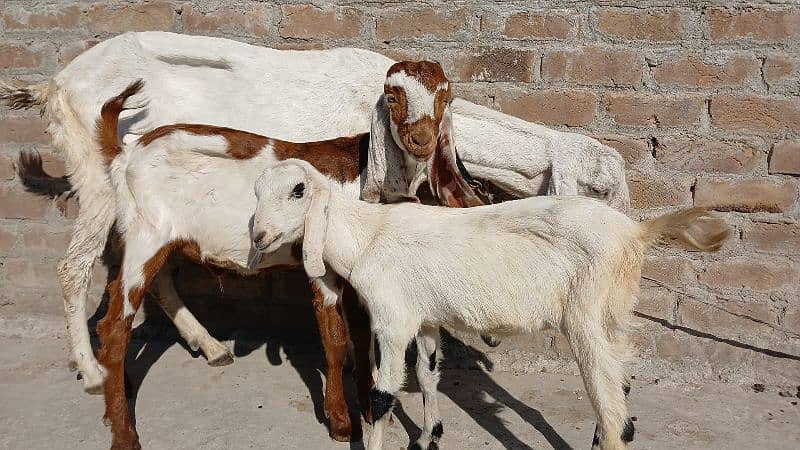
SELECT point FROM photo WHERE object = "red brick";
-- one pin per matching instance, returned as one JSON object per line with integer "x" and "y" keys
{"x": 746, "y": 195}
{"x": 702, "y": 317}
{"x": 756, "y": 113}
{"x": 495, "y": 64}
{"x": 633, "y": 109}
{"x": 71, "y": 50}
{"x": 41, "y": 238}
{"x": 694, "y": 71}
{"x": 7, "y": 241}
{"x": 158, "y": 16}
{"x": 594, "y": 65}
{"x": 785, "y": 157}
{"x": 742, "y": 273}
{"x": 782, "y": 73}
{"x": 23, "y": 130}
{"x": 18, "y": 204}
{"x": 761, "y": 25}
{"x": 551, "y": 106}
{"x": 14, "y": 56}
{"x": 707, "y": 155}
{"x": 25, "y": 19}
{"x": 792, "y": 320}
{"x": 309, "y": 22}
{"x": 6, "y": 168}
{"x": 779, "y": 238}
{"x": 669, "y": 270}
{"x": 633, "y": 150}
{"x": 53, "y": 164}
{"x": 540, "y": 25}
{"x": 648, "y": 191}
{"x": 640, "y": 24}
{"x": 254, "y": 21}
{"x": 421, "y": 23}
{"x": 26, "y": 273}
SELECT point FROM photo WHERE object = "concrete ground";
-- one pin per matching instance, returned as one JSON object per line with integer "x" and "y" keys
{"x": 271, "y": 398}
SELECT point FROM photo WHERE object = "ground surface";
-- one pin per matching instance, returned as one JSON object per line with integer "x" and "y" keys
{"x": 270, "y": 398}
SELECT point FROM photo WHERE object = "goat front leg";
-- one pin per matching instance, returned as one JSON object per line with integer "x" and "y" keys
{"x": 428, "y": 357}
{"x": 333, "y": 333}
{"x": 195, "y": 334}
{"x": 392, "y": 342}
{"x": 358, "y": 327}
{"x": 143, "y": 258}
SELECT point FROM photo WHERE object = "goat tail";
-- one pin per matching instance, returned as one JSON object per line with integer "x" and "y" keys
{"x": 108, "y": 123}
{"x": 18, "y": 96}
{"x": 695, "y": 227}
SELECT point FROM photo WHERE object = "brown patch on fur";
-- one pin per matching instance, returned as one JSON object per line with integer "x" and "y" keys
{"x": 241, "y": 144}
{"x": 334, "y": 341}
{"x": 451, "y": 188}
{"x": 429, "y": 73}
{"x": 342, "y": 159}
{"x": 108, "y": 123}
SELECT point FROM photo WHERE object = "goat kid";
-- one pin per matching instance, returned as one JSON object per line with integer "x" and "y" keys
{"x": 188, "y": 188}
{"x": 569, "y": 263}
{"x": 288, "y": 92}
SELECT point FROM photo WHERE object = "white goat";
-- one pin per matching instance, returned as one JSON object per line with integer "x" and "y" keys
{"x": 278, "y": 93}
{"x": 569, "y": 263}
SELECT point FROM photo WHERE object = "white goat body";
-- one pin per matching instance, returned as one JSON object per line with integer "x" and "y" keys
{"x": 569, "y": 263}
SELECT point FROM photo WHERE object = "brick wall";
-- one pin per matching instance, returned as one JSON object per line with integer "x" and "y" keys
{"x": 700, "y": 97}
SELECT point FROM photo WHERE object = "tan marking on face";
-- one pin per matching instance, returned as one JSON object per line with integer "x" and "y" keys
{"x": 419, "y": 137}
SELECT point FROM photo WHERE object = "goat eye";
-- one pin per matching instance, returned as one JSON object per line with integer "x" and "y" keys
{"x": 391, "y": 99}
{"x": 298, "y": 190}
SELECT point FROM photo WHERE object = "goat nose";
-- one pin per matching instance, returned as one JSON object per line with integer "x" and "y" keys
{"x": 420, "y": 138}
{"x": 259, "y": 237}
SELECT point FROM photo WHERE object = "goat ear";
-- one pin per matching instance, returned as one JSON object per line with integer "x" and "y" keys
{"x": 386, "y": 176}
{"x": 444, "y": 175}
{"x": 316, "y": 227}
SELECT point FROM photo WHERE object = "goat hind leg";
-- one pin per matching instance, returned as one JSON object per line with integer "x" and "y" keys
{"x": 603, "y": 376}
{"x": 75, "y": 274}
{"x": 195, "y": 334}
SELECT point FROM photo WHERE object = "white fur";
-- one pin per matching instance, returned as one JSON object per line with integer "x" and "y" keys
{"x": 569, "y": 263}
{"x": 285, "y": 94}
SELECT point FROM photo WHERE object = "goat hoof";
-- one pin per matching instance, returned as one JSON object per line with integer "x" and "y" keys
{"x": 341, "y": 429}
{"x": 72, "y": 365}
{"x": 490, "y": 340}
{"x": 93, "y": 389}
{"x": 222, "y": 359}
{"x": 106, "y": 421}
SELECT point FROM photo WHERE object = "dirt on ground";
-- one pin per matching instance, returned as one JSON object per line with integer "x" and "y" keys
{"x": 271, "y": 397}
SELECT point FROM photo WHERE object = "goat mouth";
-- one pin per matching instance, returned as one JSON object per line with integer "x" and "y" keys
{"x": 266, "y": 247}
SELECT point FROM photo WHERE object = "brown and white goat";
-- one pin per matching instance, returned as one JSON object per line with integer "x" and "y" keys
{"x": 189, "y": 188}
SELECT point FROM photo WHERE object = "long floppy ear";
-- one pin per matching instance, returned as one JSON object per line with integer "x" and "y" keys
{"x": 316, "y": 227}
{"x": 386, "y": 176}
{"x": 444, "y": 177}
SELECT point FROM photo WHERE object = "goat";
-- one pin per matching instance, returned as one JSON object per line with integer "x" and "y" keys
{"x": 184, "y": 188}
{"x": 287, "y": 93}
{"x": 570, "y": 263}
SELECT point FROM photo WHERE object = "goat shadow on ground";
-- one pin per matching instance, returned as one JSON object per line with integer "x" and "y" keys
{"x": 482, "y": 401}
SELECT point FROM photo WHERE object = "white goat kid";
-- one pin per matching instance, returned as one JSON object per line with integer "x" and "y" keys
{"x": 570, "y": 263}
{"x": 277, "y": 93}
